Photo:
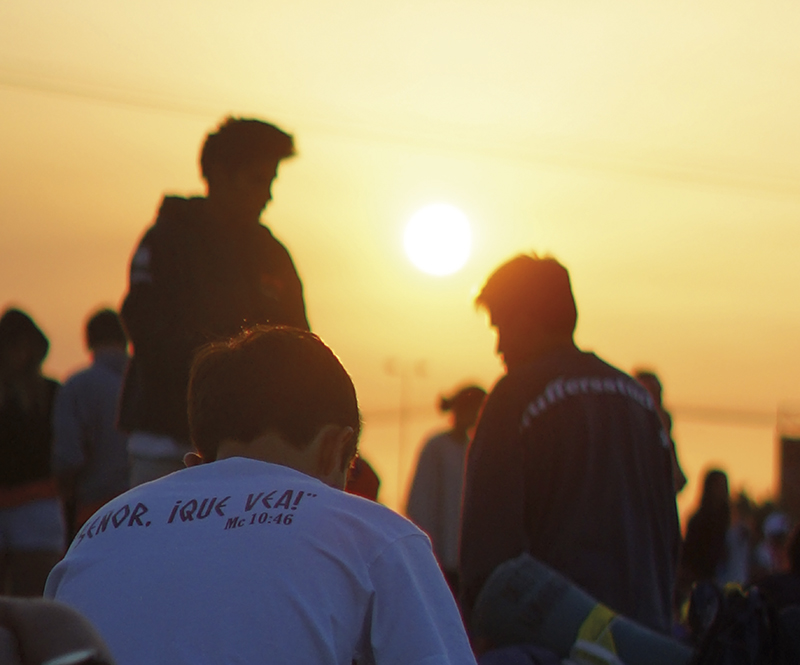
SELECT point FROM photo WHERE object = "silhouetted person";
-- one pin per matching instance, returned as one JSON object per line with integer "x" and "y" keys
{"x": 362, "y": 480}
{"x": 90, "y": 455}
{"x": 434, "y": 502}
{"x": 254, "y": 554}
{"x": 31, "y": 521}
{"x": 770, "y": 554}
{"x": 652, "y": 384}
{"x": 569, "y": 462}
{"x": 783, "y": 588}
{"x": 204, "y": 270}
{"x": 704, "y": 548}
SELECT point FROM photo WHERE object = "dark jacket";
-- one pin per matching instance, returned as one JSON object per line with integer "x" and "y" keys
{"x": 570, "y": 464}
{"x": 192, "y": 281}
{"x": 26, "y": 436}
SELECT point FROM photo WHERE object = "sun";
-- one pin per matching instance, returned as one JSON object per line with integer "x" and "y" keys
{"x": 438, "y": 239}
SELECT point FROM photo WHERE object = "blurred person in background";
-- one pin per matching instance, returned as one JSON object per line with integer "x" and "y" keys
{"x": 771, "y": 555}
{"x": 90, "y": 455}
{"x": 434, "y": 502}
{"x": 652, "y": 384}
{"x": 783, "y": 588}
{"x": 32, "y": 530}
{"x": 704, "y": 554}
{"x": 362, "y": 480}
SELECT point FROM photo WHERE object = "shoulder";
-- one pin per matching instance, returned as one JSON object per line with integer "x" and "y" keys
{"x": 272, "y": 246}
{"x": 372, "y": 526}
{"x": 176, "y": 215}
{"x": 76, "y": 381}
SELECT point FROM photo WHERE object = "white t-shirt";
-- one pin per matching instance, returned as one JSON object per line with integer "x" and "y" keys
{"x": 241, "y": 561}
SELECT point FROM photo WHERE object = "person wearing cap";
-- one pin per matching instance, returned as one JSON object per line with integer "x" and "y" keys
{"x": 570, "y": 462}
{"x": 206, "y": 269}
{"x": 434, "y": 501}
{"x": 32, "y": 530}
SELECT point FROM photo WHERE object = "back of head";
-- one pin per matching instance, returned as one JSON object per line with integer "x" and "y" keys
{"x": 466, "y": 398}
{"x": 651, "y": 382}
{"x": 715, "y": 491}
{"x": 104, "y": 328}
{"x": 240, "y": 142}
{"x": 268, "y": 379}
{"x": 538, "y": 286}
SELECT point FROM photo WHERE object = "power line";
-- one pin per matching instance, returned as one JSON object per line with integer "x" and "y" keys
{"x": 785, "y": 187}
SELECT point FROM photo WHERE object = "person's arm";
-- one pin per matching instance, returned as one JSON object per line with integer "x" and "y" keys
{"x": 493, "y": 508}
{"x": 414, "y": 618}
{"x": 424, "y": 505}
{"x": 68, "y": 453}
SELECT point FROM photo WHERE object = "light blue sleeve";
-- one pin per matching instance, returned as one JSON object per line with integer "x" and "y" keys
{"x": 414, "y": 619}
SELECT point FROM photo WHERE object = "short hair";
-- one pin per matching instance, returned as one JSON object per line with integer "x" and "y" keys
{"x": 539, "y": 285}
{"x": 104, "y": 327}
{"x": 239, "y": 142}
{"x": 268, "y": 379}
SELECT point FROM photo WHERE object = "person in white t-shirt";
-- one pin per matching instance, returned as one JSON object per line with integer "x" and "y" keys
{"x": 253, "y": 554}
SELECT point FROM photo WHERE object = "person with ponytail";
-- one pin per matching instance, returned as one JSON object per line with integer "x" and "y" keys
{"x": 434, "y": 502}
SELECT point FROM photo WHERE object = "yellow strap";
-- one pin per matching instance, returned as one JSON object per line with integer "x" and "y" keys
{"x": 597, "y": 628}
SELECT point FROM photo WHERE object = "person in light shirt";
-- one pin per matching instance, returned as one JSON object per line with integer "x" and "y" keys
{"x": 254, "y": 553}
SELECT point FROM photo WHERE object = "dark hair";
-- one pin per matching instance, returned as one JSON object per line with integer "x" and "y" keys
{"x": 466, "y": 397}
{"x": 539, "y": 285}
{"x": 105, "y": 327}
{"x": 651, "y": 382}
{"x": 268, "y": 379}
{"x": 16, "y": 326}
{"x": 712, "y": 498}
{"x": 239, "y": 142}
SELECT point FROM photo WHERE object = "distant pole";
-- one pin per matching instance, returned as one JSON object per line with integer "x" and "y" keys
{"x": 405, "y": 373}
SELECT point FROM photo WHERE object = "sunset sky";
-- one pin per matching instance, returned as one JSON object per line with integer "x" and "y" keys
{"x": 653, "y": 148}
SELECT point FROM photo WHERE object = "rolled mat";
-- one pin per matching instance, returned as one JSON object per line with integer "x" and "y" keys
{"x": 526, "y": 602}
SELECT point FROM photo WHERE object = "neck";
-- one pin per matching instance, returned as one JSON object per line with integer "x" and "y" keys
{"x": 272, "y": 448}
{"x": 225, "y": 212}
{"x": 545, "y": 344}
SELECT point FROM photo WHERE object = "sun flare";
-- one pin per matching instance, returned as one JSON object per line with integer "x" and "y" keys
{"x": 438, "y": 239}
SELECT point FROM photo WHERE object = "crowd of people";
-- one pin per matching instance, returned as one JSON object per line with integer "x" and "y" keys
{"x": 199, "y": 482}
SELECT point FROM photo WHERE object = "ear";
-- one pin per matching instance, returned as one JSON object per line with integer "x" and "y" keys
{"x": 192, "y": 459}
{"x": 335, "y": 450}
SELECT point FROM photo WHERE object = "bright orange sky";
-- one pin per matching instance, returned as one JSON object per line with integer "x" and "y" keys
{"x": 654, "y": 151}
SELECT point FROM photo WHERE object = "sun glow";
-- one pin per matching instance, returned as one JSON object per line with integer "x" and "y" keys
{"x": 438, "y": 239}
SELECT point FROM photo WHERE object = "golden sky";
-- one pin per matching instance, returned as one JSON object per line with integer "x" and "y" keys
{"x": 653, "y": 148}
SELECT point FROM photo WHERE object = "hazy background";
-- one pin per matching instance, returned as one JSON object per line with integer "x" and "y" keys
{"x": 654, "y": 148}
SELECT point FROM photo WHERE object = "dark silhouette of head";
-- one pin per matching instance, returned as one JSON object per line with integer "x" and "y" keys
{"x": 530, "y": 302}
{"x": 651, "y": 383}
{"x": 23, "y": 346}
{"x": 239, "y": 163}
{"x": 104, "y": 328}
{"x": 715, "y": 491}
{"x": 269, "y": 379}
{"x": 238, "y": 143}
{"x": 465, "y": 405}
